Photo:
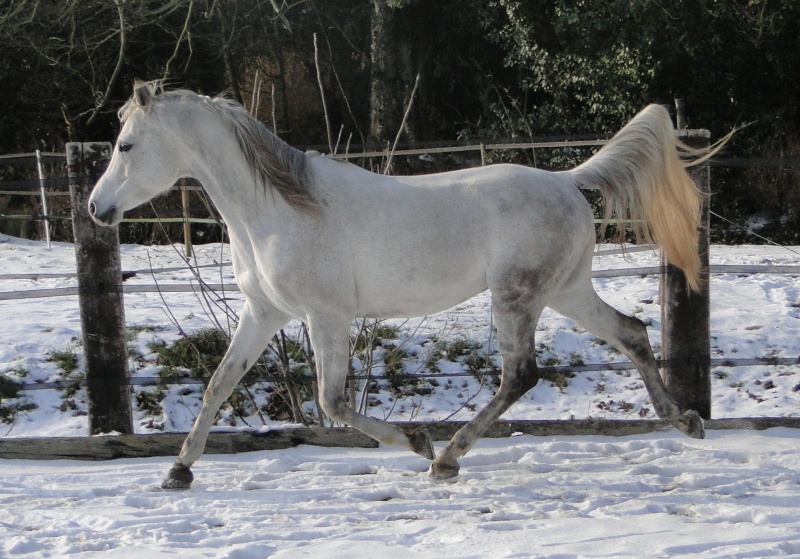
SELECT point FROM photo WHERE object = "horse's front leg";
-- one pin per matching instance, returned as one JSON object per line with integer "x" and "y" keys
{"x": 252, "y": 335}
{"x": 330, "y": 337}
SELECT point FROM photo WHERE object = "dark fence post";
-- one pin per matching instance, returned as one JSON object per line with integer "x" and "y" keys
{"x": 100, "y": 296}
{"x": 187, "y": 225}
{"x": 685, "y": 324}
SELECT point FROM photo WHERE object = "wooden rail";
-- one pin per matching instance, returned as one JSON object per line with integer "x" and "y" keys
{"x": 232, "y": 442}
{"x": 232, "y": 287}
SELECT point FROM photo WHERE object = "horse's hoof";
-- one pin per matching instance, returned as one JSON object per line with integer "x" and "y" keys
{"x": 421, "y": 443}
{"x": 179, "y": 478}
{"x": 692, "y": 424}
{"x": 441, "y": 471}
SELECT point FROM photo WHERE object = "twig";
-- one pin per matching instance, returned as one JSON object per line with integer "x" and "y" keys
{"x": 313, "y": 366}
{"x": 167, "y": 310}
{"x": 387, "y": 414}
{"x": 256, "y": 407}
{"x": 402, "y": 125}
{"x": 369, "y": 331}
{"x": 274, "y": 121}
{"x": 292, "y": 396}
{"x": 291, "y": 388}
{"x": 281, "y": 16}
{"x": 342, "y": 91}
{"x": 183, "y": 34}
{"x": 338, "y": 140}
{"x": 416, "y": 407}
{"x": 13, "y": 424}
{"x": 254, "y": 97}
{"x": 187, "y": 406}
{"x": 205, "y": 301}
{"x": 123, "y": 47}
{"x": 322, "y": 95}
{"x": 465, "y": 402}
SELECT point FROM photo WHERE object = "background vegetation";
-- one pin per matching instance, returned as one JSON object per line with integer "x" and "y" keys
{"x": 488, "y": 70}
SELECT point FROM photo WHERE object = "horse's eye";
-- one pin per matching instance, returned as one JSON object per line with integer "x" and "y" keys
{"x": 123, "y": 146}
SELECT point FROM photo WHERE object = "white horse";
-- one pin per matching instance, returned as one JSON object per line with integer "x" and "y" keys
{"x": 323, "y": 241}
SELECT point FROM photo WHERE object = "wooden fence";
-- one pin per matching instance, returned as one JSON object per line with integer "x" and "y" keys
{"x": 232, "y": 442}
{"x": 686, "y": 342}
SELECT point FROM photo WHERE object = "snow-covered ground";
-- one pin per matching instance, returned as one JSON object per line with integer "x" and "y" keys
{"x": 734, "y": 494}
{"x": 751, "y": 316}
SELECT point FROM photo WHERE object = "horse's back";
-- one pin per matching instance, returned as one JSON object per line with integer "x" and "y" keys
{"x": 502, "y": 190}
{"x": 520, "y": 210}
{"x": 419, "y": 244}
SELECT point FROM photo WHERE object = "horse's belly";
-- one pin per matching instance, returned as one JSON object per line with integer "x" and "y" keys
{"x": 418, "y": 298}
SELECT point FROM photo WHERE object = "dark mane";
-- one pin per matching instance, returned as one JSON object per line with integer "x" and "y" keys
{"x": 272, "y": 160}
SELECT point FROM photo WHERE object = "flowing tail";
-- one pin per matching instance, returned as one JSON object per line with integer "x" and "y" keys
{"x": 641, "y": 173}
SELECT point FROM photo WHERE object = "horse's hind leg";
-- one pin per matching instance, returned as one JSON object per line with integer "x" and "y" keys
{"x": 629, "y": 335}
{"x": 516, "y": 314}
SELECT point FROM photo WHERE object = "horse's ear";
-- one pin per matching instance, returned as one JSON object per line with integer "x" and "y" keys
{"x": 142, "y": 93}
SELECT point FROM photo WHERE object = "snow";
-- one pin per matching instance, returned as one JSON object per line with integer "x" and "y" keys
{"x": 734, "y": 494}
{"x": 752, "y": 316}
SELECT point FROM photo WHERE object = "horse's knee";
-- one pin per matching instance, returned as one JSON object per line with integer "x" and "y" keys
{"x": 221, "y": 385}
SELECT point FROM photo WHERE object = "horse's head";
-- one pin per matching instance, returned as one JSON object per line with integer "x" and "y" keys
{"x": 146, "y": 161}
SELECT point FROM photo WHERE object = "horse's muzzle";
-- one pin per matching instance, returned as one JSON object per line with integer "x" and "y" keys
{"x": 104, "y": 218}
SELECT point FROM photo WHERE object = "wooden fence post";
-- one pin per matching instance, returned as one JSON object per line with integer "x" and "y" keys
{"x": 100, "y": 296}
{"x": 685, "y": 315}
{"x": 187, "y": 225}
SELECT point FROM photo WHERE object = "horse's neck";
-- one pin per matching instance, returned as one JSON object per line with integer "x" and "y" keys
{"x": 227, "y": 178}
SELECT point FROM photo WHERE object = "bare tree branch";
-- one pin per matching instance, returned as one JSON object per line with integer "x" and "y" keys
{"x": 402, "y": 125}
{"x": 123, "y": 45}
{"x": 281, "y": 16}
{"x": 184, "y": 33}
{"x": 322, "y": 95}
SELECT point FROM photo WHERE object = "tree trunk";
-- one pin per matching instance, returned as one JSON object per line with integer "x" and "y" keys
{"x": 392, "y": 73}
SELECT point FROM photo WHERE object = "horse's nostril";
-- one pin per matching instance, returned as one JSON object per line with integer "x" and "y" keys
{"x": 101, "y": 216}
